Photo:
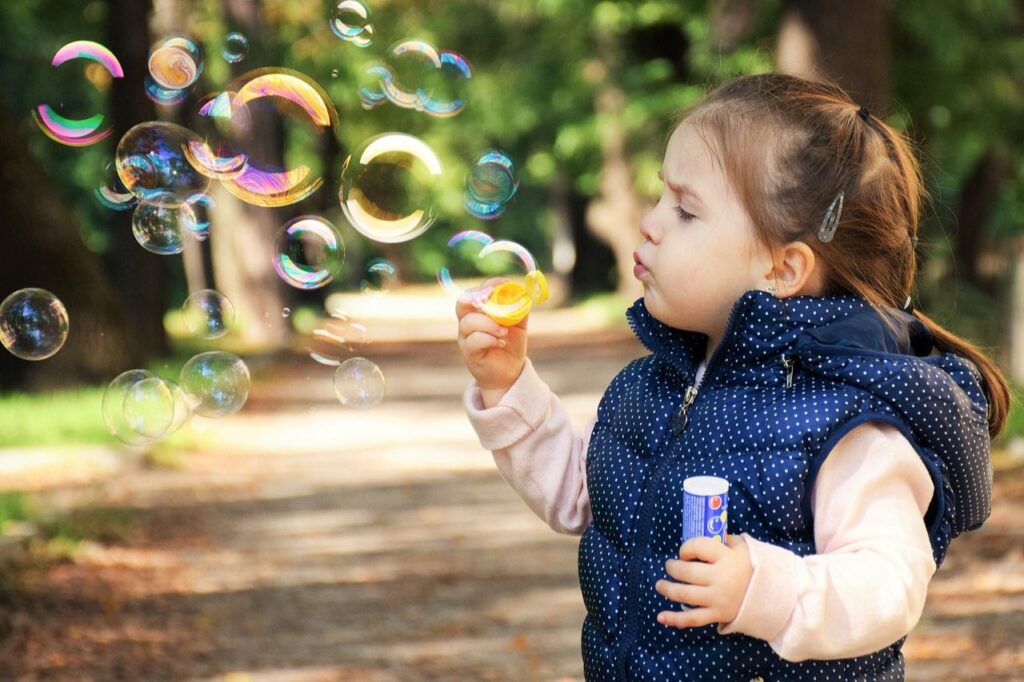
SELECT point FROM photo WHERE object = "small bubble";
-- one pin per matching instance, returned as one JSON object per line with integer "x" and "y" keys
{"x": 236, "y": 47}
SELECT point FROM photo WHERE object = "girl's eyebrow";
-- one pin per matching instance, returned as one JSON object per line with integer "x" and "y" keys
{"x": 682, "y": 189}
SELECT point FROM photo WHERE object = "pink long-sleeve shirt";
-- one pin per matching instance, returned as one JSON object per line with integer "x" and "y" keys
{"x": 863, "y": 590}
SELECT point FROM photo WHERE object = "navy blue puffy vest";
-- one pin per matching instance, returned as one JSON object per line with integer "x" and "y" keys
{"x": 789, "y": 378}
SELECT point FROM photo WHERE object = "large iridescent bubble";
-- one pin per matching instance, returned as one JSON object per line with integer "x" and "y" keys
{"x": 33, "y": 324}
{"x": 387, "y": 187}
{"x": 152, "y": 165}
{"x": 78, "y": 132}
{"x": 419, "y": 76}
{"x": 234, "y": 156}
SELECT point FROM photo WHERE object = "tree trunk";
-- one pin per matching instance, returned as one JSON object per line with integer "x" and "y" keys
{"x": 242, "y": 235}
{"x": 43, "y": 247}
{"x": 848, "y": 43}
{"x": 615, "y": 215}
{"x": 139, "y": 276}
{"x": 977, "y": 200}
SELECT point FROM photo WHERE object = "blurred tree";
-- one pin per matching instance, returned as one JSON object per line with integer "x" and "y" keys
{"x": 43, "y": 248}
{"x": 139, "y": 276}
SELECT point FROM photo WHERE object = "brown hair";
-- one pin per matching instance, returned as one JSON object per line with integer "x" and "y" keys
{"x": 788, "y": 146}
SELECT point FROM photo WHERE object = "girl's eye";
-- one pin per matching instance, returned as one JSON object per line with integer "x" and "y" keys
{"x": 683, "y": 214}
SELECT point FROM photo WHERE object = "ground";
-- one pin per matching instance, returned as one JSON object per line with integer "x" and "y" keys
{"x": 312, "y": 542}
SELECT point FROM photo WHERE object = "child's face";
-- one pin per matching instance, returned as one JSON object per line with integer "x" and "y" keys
{"x": 696, "y": 258}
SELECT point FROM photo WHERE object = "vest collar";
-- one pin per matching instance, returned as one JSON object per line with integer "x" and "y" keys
{"x": 762, "y": 327}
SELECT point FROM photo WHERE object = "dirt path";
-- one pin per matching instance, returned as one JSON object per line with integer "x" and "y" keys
{"x": 311, "y": 542}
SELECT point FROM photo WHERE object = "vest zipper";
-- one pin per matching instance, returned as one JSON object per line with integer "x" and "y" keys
{"x": 788, "y": 363}
{"x": 645, "y": 517}
{"x": 681, "y": 419}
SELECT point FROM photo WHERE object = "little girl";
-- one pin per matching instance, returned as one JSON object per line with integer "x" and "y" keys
{"x": 784, "y": 357}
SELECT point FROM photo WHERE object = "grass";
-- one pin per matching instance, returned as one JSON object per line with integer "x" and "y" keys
{"x": 60, "y": 418}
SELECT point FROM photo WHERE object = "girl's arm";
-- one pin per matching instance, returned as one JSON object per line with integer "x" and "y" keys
{"x": 866, "y": 587}
{"x": 536, "y": 449}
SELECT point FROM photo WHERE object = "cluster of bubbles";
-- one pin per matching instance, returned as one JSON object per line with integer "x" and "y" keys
{"x": 163, "y": 171}
{"x": 33, "y": 324}
{"x": 139, "y": 407}
{"x": 358, "y": 382}
{"x": 418, "y": 76}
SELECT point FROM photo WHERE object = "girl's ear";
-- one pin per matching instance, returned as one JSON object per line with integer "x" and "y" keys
{"x": 796, "y": 271}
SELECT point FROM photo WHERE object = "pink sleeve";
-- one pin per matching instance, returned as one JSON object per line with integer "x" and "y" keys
{"x": 866, "y": 586}
{"x": 536, "y": 449}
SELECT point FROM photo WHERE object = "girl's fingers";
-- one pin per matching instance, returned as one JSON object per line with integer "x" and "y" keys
{"x": 682, "y": 592}
{"x": 478, "y": 342}
{"x": 694, "y": 572}
{"x": 686, "y": 619}
{"x": 478, "y": 322}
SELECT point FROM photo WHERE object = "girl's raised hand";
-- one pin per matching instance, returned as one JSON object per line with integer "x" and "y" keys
{"x": 493, "y": 354}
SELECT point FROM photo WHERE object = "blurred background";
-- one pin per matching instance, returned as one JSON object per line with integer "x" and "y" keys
{"x": 303, "y": 538}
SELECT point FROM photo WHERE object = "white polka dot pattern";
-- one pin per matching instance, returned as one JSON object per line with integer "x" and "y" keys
{"x": 788, "y": 380}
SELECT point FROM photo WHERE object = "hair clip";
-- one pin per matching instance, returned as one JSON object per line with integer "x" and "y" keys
{"x": 831, "y": 221}
{"x": 864, "y": 113}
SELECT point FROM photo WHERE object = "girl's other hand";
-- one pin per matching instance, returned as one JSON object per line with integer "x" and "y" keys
{"x": 493, "y": 354}
{"x": 713, "y": 581}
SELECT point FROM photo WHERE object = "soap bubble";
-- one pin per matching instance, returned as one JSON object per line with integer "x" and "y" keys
{"x": 201, "y": 205}
{"x": 439, "y": 94}
{"x": 380, "y": 277}
{"x": 472, "y": 253}
{"x": 208, "y": 314}
{"x": 236, "y": 47}
{"x": 217, "y": 383}
{"x": 286, "y": 312}
{"x": 33, "y": 324}
{"x": 387, "y": 187}
{"x": 336, "y": 337}
{"x": 78, "y": 132}
{"x": 294, "y": 97}
{"x": 148, "y": 407}
{"x": 212, "y": 151}
{"x": 490, "y": 184}
{"x": 161, "y": 229}
{"x": 309, "y": 252}
{"x": 182, "y": 407}
{"x": 151, "y": 163}
{"x": 350, "y": 21}
{"x": 113, "y": 406}
{"x": 175, "y": 63}
{"x": 113, "y": 194}
{"x": 359, "y": 383}
{"x": 162, "y": 96}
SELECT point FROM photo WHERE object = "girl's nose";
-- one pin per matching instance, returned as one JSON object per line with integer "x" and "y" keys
{"x": 648, "y": 228}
